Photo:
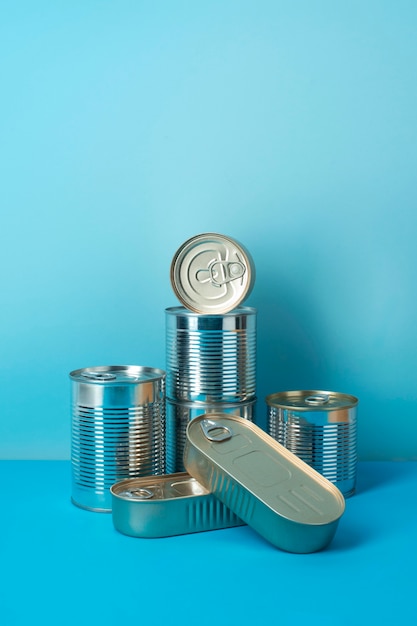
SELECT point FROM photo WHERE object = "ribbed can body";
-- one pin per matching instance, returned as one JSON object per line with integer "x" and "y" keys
{"x": 118, "y": 429}
{"x": 178, "y": 415}
{"x": 211, "y": 358}
{"x": 325, "y": 439}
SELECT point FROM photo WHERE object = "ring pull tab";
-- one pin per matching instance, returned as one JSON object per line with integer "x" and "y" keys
{"x": 231, "y": 270}
{"x": 215, "y": 431}
{"x": 317, "y": 400}
{"x": 99, "y": 375}
{"x": 219, "y": 273}
{"x": 138, "y": 494}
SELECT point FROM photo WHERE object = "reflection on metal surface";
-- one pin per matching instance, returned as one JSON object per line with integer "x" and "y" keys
{"x": 320, "y": 427}
{"x": 117, "y": 429}
{"x": 211, "y": 358}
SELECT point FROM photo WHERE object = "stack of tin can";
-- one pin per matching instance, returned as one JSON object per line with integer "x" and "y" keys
{"x": 162, "y": 450}
{"x": 210, "y": 339}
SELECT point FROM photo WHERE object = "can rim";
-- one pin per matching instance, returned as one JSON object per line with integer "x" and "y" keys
{"x": 119, "y": 489}
{"x": 282, "y": 400}
{"x": 139, "y": 374}
{"x": 238, "y": 310}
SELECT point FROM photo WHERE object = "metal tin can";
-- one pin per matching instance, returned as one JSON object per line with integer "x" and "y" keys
{"x": 164, "y": 506}
{"x": 212, "y": 273}
{"x": 178, "y": 414}
{"x": 118, "y": 429}
{"x": 211, "y": 358}
{"x": 282, "y": 498}
{"x": 320, "y": 428}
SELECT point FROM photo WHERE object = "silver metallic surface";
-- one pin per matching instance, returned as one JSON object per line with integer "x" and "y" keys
{"x": 178, "y": 414}
{"x": 211, "y": 358}
{"x": 320, "y": 427}
{"x": 276, "y": 493}
{"x": 212, "y": 273}
{"x": 117, "y": 429}
{"x": 163, "y": 506}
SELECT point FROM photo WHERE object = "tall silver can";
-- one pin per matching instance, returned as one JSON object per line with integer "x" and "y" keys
{"x": 211, "y": 358}
{"x": 320, "y": 427}
{"x": 117, "y": 429}
{"x": 179, "y": 414}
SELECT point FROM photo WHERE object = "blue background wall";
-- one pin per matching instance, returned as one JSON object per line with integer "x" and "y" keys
{"x": 128, "y": 127}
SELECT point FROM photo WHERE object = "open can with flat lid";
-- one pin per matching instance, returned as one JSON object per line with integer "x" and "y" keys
{"x": 282, "y": 498}
{"x": 212, "y": 273}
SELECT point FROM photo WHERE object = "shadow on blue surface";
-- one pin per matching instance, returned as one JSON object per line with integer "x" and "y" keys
{"x": 350, "y": 536}
{"x": 373, "y": 475}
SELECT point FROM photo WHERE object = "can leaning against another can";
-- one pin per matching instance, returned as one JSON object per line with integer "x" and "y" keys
{"x": 320, "y": 428}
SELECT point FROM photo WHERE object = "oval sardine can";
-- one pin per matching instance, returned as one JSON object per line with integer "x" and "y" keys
{"x": 286, "y": 501}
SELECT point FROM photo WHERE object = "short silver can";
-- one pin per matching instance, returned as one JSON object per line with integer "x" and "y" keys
{"x": 320, "y": 427}
{"x": 211, "y": 358}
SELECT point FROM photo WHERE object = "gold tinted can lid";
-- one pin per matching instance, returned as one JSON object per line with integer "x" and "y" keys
{"x": 271, "y": 489}
{"x": 212, "y": 274}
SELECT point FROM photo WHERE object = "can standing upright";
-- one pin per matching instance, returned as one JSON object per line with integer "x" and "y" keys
{"x": 211, "y": 358}
{"x": 211, "y": 366}
{"x": 320, "y": 427}
{"x": 118, "y": 429}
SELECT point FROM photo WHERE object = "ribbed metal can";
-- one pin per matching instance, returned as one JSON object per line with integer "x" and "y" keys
{"x": 179, "y": 414}
{"x": 117, "y": 429}
{"x": 211, "y": 358}
{"x": 320, "y": 427}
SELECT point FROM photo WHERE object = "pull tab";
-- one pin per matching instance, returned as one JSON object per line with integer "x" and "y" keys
{"x": 138, "y": 494}
{"x": 232, "y": 271}
{"x": 219, "y": 272}
{"x": 99, "y": 375}
{"x": 215, "y": 432}
{"x": 317, "y": 400}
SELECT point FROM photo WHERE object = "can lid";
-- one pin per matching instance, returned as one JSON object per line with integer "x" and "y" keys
{"x": 212, "y": 273}
{"x": 311, "y": 400}
{"x": 272, "y": 490}
{"x": 165, "y": 487}
{"x": 108, "y": 374}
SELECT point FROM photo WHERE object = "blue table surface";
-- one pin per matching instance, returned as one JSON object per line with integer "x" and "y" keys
{"x": 63, "y": 565}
